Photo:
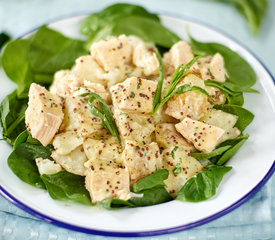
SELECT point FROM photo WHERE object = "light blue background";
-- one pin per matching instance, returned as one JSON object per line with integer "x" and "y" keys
{"x": 254, "y": 219}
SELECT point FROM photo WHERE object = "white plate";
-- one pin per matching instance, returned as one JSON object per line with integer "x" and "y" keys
{"x": 252, "y": 165}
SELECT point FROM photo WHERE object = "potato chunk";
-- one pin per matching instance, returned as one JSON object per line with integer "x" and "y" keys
{"x": 136, "y": 127}
{"x": 181, "y": 167}
{"x": 134, "y": 95}
{"x": 141, "y": 161}
{"x": 167, "y": 136}
{"x": 205, "y": 137}
{"x": 47, "y": 166}
{"x": 72, "y": 162}
{"x": 216, "y": 94}
{"x": 113, "y": 52}
{"x": 44, "y": 114}
{"x": 107, "y": 181}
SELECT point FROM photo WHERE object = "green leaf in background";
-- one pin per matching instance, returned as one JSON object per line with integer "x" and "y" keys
{"x": 3, "y": 38}
{"x": 115, "y": 204}
{"x": 245, "y": 117}
{"x": 216, "y": 152}
{"x": 65, "y": 186}
{"x": 51, "y": 51}
{"x": 241, "y": 76}
{"x": 22, "y": 162}
{"x": 154, "y": 180}
{"x": 252, "y": 10}
{"x": 21, "y": 138}
{"x": 12, "y": 115}
{"x": 203, "y": 185}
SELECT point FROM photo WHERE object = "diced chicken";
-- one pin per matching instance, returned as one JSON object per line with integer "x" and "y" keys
{"x": 216, "y": 94}
{"x": 181, "y": 167}
{"x": 145, "y": 59}
{"x": 205, "y": 137}
{"x": 191, "y": 104}
{"x": 136, "y": 127}
{"x": 66, "y": 142}
{"x": 134, "y": 95}
{"x": 106, "y": 149}
{"x": 72, "y": 162}
{"x": 167, "y": 136}
{"x": 223, "y": 120}
{"x": 44, "y": 114}
{"x": 212, "y": 68}
{"x": 78, "y": 117}
{"x": 112, "y": 53}
{"x": 141, "y": 161}
{"x": 106, "y": 181}
{"x": 46, "y": 166}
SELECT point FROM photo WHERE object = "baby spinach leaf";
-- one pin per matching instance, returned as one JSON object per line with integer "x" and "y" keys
{"x": 152, "y": 181}
{"x": 203, "y": 185}
{"x": 21, "y": 138}
{"x": 3, "y": 38}
{"x": 241, "y": 76}
{"x": 12, "y": 115}
{"x": 151, "y": 196}
{"x": 215, "y": 152}
{"x": 245, "y": 116}
{"x": 65, "y": 186}
{"x": 115, "y": 204}
{"x": 22, "y": 162}
{"x": 51, "y": 51}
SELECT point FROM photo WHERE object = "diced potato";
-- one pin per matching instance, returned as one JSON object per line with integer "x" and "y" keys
{"x": 145, "y": 59}
{"x": 167, "y": 136}
{"x": 223, "y": 120}
{"x": 46, "y": 166}
{"x": 205, "y": 137}
{"x": 106, "y": 149}
{"x": 78, "y": 117}
{"x": 212, "y": 68}
{"x": 72, "y": 162}
{"x": 161, "y": 117}
{"x": 44, "y": 114}
{"x": 106, "y": 181}
{"x": 66, "y": 142}
{"x": 137, "y": 127}
{"x": 181, "y": 167}
{"x": 134, "y": 95}
{"x": 141, "y": 161}
{"x": 113, "y": 52}
{"x": 216, "y": 94}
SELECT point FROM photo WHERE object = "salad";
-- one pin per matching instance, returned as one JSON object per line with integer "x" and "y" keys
{"x": 133, "y": 116}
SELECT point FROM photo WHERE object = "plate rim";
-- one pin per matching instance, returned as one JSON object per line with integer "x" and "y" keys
{"x": 250, "y": 194}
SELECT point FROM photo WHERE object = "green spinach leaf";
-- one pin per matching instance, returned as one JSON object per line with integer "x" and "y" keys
{"x": 215, "y": 152}
{"x": 3, "y": 38}
{"x": 115, "y": 204}
{"x": 65, "y": 186}
{"x": 203, "y": 185}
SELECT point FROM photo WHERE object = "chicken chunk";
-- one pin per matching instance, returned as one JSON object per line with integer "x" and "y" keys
{"x": 44, "y": 114}
{"x": 212, "y": 68}
{"x": 167, "y": 136}
{"x": 112, "y": 53}
{"x": 181, "y": 167}
{"x": 223, "y": 120}
{"x": 47, "y": 166}
{"x": 136, "y": 127}
{"x": 205, "y": 137}
{"x": 141, "y": 161}
{"x": 73, "y": 162}
{"x": 134, "y": 95}
{"x": 107, "y": 181}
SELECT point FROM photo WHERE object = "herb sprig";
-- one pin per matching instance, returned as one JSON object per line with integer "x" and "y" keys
{"x": 104, "y": 114}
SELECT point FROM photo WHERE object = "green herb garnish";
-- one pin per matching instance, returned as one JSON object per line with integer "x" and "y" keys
{"x": 177, "y": 170}
{"x": 173, "y": 151}
{"x": 132, "y": 95}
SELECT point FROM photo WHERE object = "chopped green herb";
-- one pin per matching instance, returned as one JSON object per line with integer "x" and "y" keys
{"x": 210, "y": 73}
{"x": 173, "y": 151}
{"x": 138, "y": 85}
{"x": 128, "y": 74}
{"x": 133, "y": 95}
{"x": 177, "y": 170}
{"x": 124, "y": 113}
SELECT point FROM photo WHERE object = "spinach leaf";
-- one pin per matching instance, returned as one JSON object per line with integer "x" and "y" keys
{"x": 115, "y": 204}
{"x": 245, "y": 116}
{"x": 151, "y": 196}
{"x": 21, "y": 138}
{"x": 152, "y": 181}
{"x": 3, "y": 38}
{"x": 241, "y": 76}
{"x": 51, "y": 51}
{"x": 12, "y": 115}
{"x": 22, "y": 162}
{"x": 203, "y": 185}
{"x": 16, "y": 65}
{"x": 65, "y": 186}
{"x": 215, "y": 152}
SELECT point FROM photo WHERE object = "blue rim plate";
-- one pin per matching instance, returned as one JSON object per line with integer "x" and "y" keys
{"x": 173, "y": 23}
